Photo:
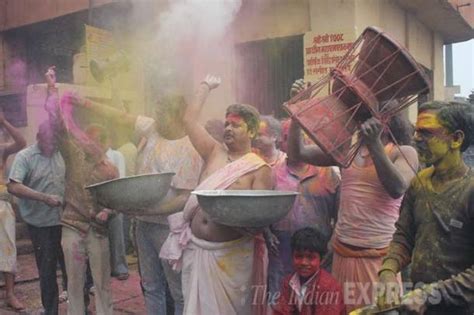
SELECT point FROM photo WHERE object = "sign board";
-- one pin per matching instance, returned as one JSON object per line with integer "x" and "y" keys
{"x": 100, "y": 45}
{"x": 322, "y": 51}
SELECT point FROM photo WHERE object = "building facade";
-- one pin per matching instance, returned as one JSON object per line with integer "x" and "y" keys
{"x": 267, "y": 37}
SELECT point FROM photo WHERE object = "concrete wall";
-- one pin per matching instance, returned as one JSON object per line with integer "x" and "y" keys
{"x": 328, "y": 15}
{"x": 265, "y": 19}
{"x": 2, "y": 62}
{"x": 256, "y": 20}
{"x": 15, "y": 13}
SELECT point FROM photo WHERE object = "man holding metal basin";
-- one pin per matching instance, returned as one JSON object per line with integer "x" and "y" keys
{"x": 167, "y": 150}
{"x": 220, "y": 261}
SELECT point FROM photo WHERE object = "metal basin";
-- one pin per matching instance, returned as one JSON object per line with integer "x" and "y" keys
{"x": 132, "y": 194}
{"x": 246, "y": 208}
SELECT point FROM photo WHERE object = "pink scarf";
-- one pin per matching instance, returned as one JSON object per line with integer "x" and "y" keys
{"x": 180, "y": 230}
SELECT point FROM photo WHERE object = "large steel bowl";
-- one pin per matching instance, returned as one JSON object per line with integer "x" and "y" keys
{"x": 246, "y": 208}
{"x": 132, "y": 194}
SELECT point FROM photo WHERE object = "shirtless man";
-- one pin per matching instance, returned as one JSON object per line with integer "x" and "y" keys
{"x": 219, "y": 262}
{"x": 238, "y": 135}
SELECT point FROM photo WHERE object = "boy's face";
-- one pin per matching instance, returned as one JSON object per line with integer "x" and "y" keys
{"x": 306, "y": 263}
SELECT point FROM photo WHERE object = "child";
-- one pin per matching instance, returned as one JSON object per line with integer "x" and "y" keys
{"x": 310, "y": 290}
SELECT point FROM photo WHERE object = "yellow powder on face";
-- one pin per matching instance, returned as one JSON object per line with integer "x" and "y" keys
{"x": 432, "y": 145}
{"x": 436, "y": 146}
{"x": 428, "y": 121}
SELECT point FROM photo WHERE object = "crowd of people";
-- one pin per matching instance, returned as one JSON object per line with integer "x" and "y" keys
{"x": 344, "y": 244}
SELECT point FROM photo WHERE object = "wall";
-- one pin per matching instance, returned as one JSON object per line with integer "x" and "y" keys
{"x": 328, "y": 15}
{"x": 256, "y": 20}
{"x": 438, "y": 67}
{"x": 15, "y": 13}
{"x": 265, "y": 19}
{"x": 2, "y": 62}
{"x": 423, "y": 44}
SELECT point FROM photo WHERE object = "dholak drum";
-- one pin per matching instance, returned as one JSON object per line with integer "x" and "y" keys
{"x": 383, "y": 79}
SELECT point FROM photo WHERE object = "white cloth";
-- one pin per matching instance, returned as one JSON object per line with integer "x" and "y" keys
{"x": 216, "y": 277}
{"x": 129, "y": 152}
{"x": 7, "y": 238}
{"x": 117, "y": 160}
{"x": 77, "y": 248}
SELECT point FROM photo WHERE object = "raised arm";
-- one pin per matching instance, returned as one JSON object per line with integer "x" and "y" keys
{"x": 202, "y": 141}
{"x": 310, "y": 154}
{"x": 297, "y": 150}
{"x": 394, "y": 175}
{"x": 107, "y": 112}
{"x": 19, "y": 141}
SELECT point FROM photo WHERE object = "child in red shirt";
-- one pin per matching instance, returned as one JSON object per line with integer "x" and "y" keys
{"x": 310, "y": 290}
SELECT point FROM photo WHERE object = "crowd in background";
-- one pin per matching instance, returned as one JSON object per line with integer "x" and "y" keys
{"x": 349, "y": 230}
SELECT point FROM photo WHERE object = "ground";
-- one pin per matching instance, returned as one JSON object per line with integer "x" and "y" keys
{"x": 127, "y": 295}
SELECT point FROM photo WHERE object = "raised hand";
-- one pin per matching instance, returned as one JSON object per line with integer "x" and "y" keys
{"x": 371, "y": 130}
{"x": 298, "y": 86}
{"x": 50, "y": 76}
{"x": 212, "y": 81}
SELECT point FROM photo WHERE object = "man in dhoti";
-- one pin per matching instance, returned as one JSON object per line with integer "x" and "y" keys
{"x": 220, "y": 264}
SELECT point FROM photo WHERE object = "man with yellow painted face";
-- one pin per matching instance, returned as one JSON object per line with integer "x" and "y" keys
{"x": 435, "y": 230}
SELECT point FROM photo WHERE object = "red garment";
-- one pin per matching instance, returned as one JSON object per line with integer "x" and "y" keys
{"x": 324, "y": 296}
